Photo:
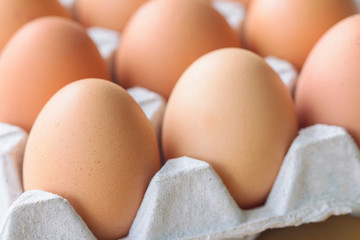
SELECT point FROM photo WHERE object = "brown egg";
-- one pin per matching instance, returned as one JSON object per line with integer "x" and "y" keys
{"x": 112, "y": 14}
{"x": 244, "y": 2}
{"x": 42, "y": 57}
{"x": 231, "y": 109}
{"x": 328, "y": 89}
{"x": 93, "y": 145}
{"x": 288, "y": 29}
{"x": 15, "y": 13}
{"x": 164, "y": 37}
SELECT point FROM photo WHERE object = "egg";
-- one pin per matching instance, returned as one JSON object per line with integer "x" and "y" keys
{"x": 15, "y": 13}
{"x": 230, "y": 109}
{"x": 245, "y": 3}
{"x": 93, "y": 145}
{"x": 164, "y": 37}
{"x": 42, "y": 57}
{"x": 288, "y": 29}
{"x": 112, "y": 14}
{"x": 328, "y": 89}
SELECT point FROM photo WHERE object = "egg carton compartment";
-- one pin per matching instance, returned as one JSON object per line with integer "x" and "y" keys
{"x": 186, "y": 199}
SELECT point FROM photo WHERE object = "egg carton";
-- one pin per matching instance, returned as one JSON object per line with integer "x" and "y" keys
{"x": 186, "y": 199}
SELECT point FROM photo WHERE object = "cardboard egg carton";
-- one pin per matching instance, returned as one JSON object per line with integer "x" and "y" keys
{"x": 186, "y": 199}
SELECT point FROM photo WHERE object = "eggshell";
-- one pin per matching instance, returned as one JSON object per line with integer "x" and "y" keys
{"x": 42, "y": 57}
{"x": 288, "y": 29}
{"x": 93, "y": 145}
{"x": 328, "y": 89}
{"x": 112, "y": 14}
{"x": 15, "y": 13}
{"x": 164, "y": 37}
{"x": 244, "y": 2}
{"x": 231, "y": 109}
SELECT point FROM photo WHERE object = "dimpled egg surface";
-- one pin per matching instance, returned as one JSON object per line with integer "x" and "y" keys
{"x": 93, "y": 145}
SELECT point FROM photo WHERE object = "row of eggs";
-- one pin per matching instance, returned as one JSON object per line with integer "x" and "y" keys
{"x": 92, "y": 144}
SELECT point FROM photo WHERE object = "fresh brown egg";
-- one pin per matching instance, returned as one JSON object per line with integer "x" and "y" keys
{"x": 93, "y": 145}
{"x": 112, "y": 14}
{"x": 328, "y": 89}
{"x": 15, "y": 13}
{"x": 245, "y": 3}
{"x": 231, "y": 109}
{"x": 42, "y": 57}
{"x": 164, "y": 37}
{"x": 288, "y": 29}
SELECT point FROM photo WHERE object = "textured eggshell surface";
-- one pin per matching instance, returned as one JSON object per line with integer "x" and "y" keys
{"x": 42, "y": 57}
{"x": 328, "y": 90}
{"x": 288, "y": 29}
{"x": 231, "y": 109}
{"x": 93, "y": 145}
{"x": 164, "y": 37}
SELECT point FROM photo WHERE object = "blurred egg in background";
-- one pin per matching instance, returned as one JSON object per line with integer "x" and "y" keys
{"x": 288, "y": 29}
{"x": 328, "y": 89}
{"x": 164, "y": 37}
{"x": 15, "y": 13}
{"x": 42, "y": 57}
{"x": 111, "y": 14}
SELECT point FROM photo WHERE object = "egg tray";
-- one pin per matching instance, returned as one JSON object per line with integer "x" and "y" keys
{"x": 186, "y": 199}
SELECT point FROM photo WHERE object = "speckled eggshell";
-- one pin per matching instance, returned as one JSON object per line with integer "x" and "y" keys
{"x": 164, "y": 37}
{"x": 42, "y": 57}
{"x": 15, "y": 13}
{"x": 112, "y": 14}
{"x": 93, "y": 145}
{"x": 288, "y": 29}
{"x": 328, "y": 89}
{"x": 231, "y": 109}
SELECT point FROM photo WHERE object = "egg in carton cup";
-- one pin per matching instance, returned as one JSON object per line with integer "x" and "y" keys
{"x": 186, "y": 199}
